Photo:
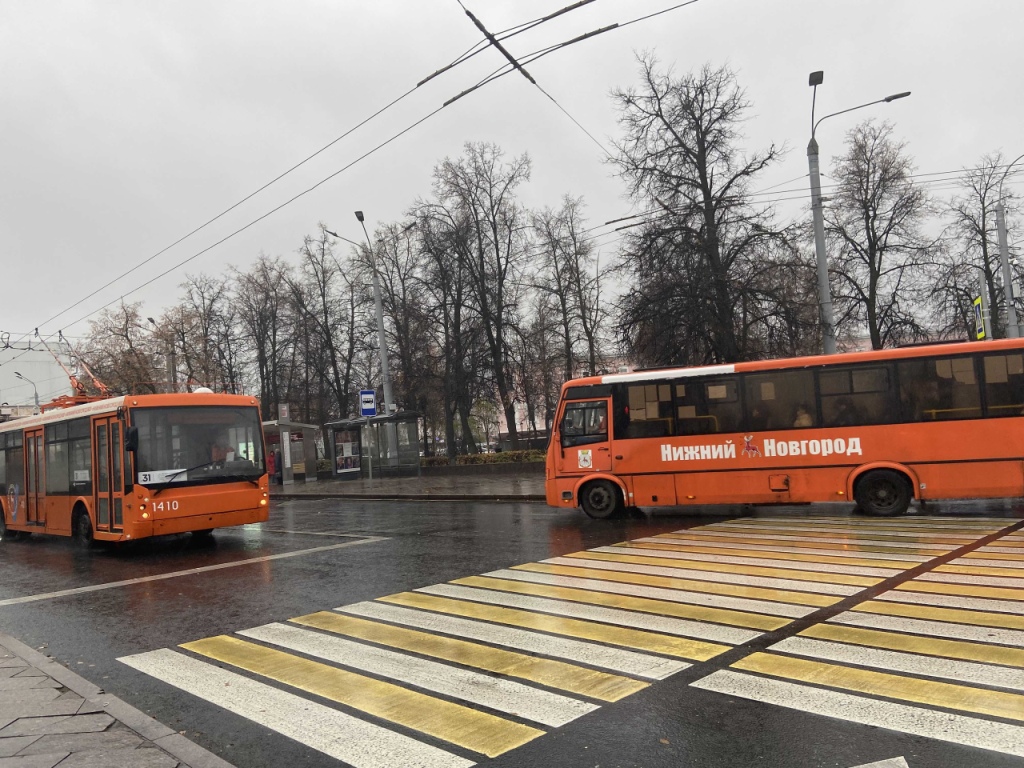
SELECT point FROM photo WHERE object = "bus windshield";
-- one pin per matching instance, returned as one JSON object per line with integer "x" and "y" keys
{"x": 194, "y": 445}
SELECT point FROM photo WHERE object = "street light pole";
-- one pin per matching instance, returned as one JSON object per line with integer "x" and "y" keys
{"x": 35, "y": 392}
{"x": 1012, "y": 323}
{"x": 828, "y": 328}
{"x": 379, "y": 306}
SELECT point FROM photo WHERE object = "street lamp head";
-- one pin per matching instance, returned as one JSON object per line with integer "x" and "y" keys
{"x": 816, "y": 78}
{"x": 19, "y": 376}
{"x": 895, "y": 96}
{"x": 359, "y": 216}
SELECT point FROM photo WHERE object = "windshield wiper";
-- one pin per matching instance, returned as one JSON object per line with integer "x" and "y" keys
{"x": 168, "y": 478}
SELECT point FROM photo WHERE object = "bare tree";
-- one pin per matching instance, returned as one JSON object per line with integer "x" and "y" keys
{"x": 874, "y": 228}
{"x": 121, "y": 351}
{"x": 688, "y": 266}
{"x": 971, "y": 253}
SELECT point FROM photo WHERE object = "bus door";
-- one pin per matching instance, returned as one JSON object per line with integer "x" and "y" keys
{"x": 109, "y": 486}
{"x": 585, "y": 445}
{"x": 35, "y": 490}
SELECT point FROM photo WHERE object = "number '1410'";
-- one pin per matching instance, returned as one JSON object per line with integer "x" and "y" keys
{"x": 165, "y": 506}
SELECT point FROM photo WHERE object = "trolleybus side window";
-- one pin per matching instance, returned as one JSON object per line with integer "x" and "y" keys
{"x": 939, "y": 389}
{"x": 57, "y": 480}
{"x": 780, "y": 400}
{"x": 585, "y": 423}
{"x": 1004, "y": 384}
{"x": 80, "y": 456}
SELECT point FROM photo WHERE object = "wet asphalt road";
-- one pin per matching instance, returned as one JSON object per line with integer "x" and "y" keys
{"x": 318, "y": 555}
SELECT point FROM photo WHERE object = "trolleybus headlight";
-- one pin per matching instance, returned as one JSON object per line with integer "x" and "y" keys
{"x": 263, "y": 502}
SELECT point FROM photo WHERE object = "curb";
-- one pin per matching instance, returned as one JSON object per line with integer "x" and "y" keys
{"x": 529, "y": 498}
{"x": 171, "y": 742}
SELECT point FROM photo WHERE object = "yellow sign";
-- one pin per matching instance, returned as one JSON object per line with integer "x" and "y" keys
{"x": 979, "y": 320}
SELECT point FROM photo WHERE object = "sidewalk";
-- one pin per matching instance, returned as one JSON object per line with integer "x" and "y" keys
{"x": 526, "y": 486}
{"x": 50, "y": 717}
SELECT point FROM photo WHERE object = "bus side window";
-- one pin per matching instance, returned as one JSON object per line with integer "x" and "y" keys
{"x": 722, "y": 404}
{"x": 939, "y": 389}
{"x": 857, "y": 395}
{"x": 780, "y": 400}
{"x": 650, "y": 410}
{"x": 1004, "y": 384}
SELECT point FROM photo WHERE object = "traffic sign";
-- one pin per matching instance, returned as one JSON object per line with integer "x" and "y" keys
{"x": 367, "y": 402}
{"x": 979, "y": 318}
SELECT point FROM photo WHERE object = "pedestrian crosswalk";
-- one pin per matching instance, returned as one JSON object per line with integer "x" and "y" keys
{"x": 450, "y": 674}
{"x": 940, "y": 655}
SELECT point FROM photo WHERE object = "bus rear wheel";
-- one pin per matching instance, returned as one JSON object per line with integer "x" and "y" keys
{"x": 883, "y": 493}
{"x": 601, "y": 499}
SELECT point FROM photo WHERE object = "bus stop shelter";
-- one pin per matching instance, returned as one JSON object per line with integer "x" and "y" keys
{"x": 295, "y": 444}
{"x": 375, "y": 446}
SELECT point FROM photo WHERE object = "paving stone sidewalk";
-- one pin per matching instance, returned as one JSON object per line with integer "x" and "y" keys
{"x": 49, "y": 717}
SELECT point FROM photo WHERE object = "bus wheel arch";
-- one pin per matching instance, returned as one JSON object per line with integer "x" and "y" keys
{"x": 884, "y": 489}
{"x": 601, "y": 498}
{"x": 81, "y": 526}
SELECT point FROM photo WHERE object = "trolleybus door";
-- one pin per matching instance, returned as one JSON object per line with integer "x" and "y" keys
{"x": 35, "y": 490}
{"x": 584, "y": 436}
{"x": 109, "y": 493}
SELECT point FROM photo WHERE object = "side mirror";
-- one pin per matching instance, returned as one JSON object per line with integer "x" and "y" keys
{"x": 131, "y": 439}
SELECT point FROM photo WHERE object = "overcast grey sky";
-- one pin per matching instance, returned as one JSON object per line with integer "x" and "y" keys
{"x": 124, "y": 124}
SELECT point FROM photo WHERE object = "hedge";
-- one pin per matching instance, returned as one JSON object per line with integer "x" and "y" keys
{"x": 505, "y": 457}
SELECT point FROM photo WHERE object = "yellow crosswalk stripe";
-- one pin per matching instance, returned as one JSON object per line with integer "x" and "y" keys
{"x": 629, "y": 603}
{"x": 983, "y": 570}
{"x": 952, "y": 543}
{"x": 749, "y": 570}
{"x": 549, "y": 672}
{"x": 982, "y": 555}
{"x": 968, "y": 590}
{"x": 753, "y": 552}
{"x": 637, "y": 639}
{"x": 928, "y": 646}
{"x": 822, "y": 545}
{"x": 905, "y": 526}
{"x": 933, "y": 613}
{"x": 469, "y": 728}
{"x": 692, "y": 585}
{"x": 947, "y": 695}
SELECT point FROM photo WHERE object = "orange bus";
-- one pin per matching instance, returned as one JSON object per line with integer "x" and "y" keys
{"x": 125, "y": 468}
{"x": 877, "y": 428}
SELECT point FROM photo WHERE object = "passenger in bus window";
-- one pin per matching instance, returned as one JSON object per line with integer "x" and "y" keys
{"x": 846, "y": 415}
{"x": 803, "y": 417}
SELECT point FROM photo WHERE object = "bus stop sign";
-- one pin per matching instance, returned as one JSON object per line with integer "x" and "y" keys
{"x": 367, "y": 402}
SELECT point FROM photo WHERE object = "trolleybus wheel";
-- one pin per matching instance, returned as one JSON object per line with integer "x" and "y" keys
{"x": 601, "y": 499}
{"x": 82, "y": 529}
{"x": 883, "y": 492}
{"x": 4, "y": 533}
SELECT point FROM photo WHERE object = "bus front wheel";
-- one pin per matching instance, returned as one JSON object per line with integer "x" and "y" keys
{"x": 883, "y": 493}
{"x": 82, "y": 529}
{"x": 601, "y": 499}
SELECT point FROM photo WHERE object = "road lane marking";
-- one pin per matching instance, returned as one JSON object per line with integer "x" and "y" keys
{"x": 950, "y": 539}
{"x": 951, "y": 615}
{"x": 982, "y": 570}
{"x": 705, "y": 575}
{"x": 966, "y": 578}
{"x": 907, "y": 525}
{"x": 640, "y": 640}
{"x": 838, "y": 541}
{"x": 775, "y": 554}
{"x": 719, "y": 567}
{"x": 907, "y": 663}
{"x": 762, "y": 562}
{"x": 188, "y": 572}
{"x": 1009, "y": 706}
{"x": 468, "y": 728}
{"x": 549, "y": 672}
{"x": 967, "y": 590}
{"x": 892, "y": 762}
{"x": 935, "y": 628}
{"x": 508, "y": 696}
{"x": 976, "y": 559}
{"x": 336, "y": 734}
{"x": 822, "y": 550}
{"x": 931, "y": 646}
{"x": 953, "y": 601}
{"x": 639, "y": 603}
{"x": 616, "y": 659}
{"x": 914, "y": 720}
{"x": 599, "y": 584}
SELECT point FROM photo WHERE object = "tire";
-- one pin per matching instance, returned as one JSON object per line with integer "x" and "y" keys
{"x": 883, "y": 493}
{"x": 601, "y": 499}
{"x": 5, "y": 535}
{"x": 81, "y": 529}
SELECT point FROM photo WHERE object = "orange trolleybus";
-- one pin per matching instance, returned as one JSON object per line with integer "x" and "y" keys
{"x": 125, "y": 468}
{"x": 878, "y": 428}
